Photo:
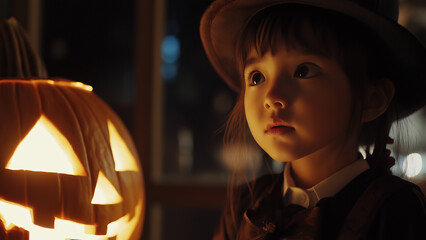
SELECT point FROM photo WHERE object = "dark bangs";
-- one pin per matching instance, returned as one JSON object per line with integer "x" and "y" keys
{"x": 316, "y": 31}
{"x": 284, "y": 25}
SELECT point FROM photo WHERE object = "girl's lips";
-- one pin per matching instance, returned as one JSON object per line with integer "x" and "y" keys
{"x": 279, "y": 130}
{"x": 277, "y": 126}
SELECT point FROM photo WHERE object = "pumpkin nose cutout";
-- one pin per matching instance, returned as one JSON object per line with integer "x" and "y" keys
{"x": 105, "y": 192}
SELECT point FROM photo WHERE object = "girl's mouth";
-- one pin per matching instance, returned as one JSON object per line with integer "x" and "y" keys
{"x": 278, "y": 130}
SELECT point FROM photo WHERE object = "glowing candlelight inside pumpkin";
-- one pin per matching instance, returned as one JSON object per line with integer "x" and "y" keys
{"x": 52, "y": 150}
{"x": 13, "y": 214}
{"x": 105, "y": 192}
{"x": 46, "y": 149}
{"x": 124, "y": 160}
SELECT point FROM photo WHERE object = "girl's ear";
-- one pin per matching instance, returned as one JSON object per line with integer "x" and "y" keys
{"x": 377, "y": 99}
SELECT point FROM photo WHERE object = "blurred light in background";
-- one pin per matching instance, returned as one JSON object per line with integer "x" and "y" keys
{"x": 412, "y": 165}
{"x": 170, "y": 49}
{"x": 250, "y": 162}
{"x": 170, "y": 52}
{"x": 277, "y": 166}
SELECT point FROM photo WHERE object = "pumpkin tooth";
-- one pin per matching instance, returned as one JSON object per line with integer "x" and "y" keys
{"x": 16, "y": 216}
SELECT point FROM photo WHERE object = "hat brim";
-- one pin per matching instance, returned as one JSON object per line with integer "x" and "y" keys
{"x": 225, "y": 20}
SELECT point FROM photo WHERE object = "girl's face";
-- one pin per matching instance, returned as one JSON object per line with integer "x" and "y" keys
{"x": 296, "y": 103}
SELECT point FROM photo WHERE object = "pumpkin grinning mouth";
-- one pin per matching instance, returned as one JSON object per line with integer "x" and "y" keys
{"x": 15, "y": 215}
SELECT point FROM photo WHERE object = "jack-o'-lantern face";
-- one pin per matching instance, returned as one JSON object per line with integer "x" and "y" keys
{"x": 69, "y": 169}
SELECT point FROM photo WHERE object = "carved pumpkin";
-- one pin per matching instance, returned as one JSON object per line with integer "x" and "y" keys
{"x": 68, "y": 166}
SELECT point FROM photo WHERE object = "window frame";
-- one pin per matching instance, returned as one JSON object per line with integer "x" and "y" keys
{"x": 147, "y": 120}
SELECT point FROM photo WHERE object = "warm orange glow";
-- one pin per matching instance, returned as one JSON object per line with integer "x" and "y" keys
{"x": 51, "y": 82}
{"x": 12, "y": 215}
{"x": 82, "y": 86}
{"x": 71, "y": 84}
{"x": 124, "y": 160}
{"x": 45, "y": 149}
{"x": 105, "y": 192}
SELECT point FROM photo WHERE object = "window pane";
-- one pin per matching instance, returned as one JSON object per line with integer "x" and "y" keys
{"x": 92, "y": 42}
{"x": 196, "y": 101}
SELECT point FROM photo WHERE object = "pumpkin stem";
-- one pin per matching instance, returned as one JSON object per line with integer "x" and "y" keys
{"x": 18, "y": 59}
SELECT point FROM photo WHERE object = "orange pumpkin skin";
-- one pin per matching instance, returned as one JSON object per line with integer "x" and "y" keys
{"x": 82, "y": 118}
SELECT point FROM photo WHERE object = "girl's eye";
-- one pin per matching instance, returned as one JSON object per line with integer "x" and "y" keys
{"x": 256, "y": 78}
{"x": 307, "y": 70}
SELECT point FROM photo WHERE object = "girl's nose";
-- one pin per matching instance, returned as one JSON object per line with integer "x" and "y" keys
{"x": 278, "y": 104}
{"x": 275, "y": 97}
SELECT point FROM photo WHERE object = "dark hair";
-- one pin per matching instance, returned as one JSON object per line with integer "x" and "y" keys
{"x": 351, "y": 44}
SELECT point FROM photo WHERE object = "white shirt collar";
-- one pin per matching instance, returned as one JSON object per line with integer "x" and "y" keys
{"x": 326, "y": 188}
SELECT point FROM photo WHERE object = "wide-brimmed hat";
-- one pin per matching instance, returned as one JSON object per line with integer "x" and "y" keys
{"x": 224, "y": 21}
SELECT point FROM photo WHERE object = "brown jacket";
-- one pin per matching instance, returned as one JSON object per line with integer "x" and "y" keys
{"x": 369, "y": 207}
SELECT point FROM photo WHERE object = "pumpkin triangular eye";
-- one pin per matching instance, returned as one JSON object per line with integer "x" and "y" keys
{"x": 124, "y": 160}
{"x": 45, "y": 149}
{"x": 105, "y": 192}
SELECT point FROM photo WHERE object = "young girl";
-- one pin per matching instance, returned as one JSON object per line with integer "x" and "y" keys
{"x": 317, "y": 81}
